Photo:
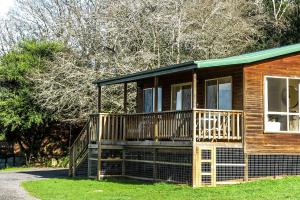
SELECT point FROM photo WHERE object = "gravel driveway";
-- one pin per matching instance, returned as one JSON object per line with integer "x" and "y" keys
{"x": 10, "y": 182}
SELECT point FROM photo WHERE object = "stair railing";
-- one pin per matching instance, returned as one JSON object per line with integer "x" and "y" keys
{"x": 79, "y": 148}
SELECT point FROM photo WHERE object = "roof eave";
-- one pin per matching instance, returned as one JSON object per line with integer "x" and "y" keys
{"x": 148, "y": 74}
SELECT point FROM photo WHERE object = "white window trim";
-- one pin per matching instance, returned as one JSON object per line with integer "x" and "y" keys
{"x": 217, "y": 79}
{"x": 181, "y": 85}
{"x": 287, "y": 113}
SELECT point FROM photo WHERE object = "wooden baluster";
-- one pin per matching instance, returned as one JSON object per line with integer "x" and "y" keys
{"x": 199, "y": 135}
{"x": 233, "y": 125}
{"x": 238, "y": 126}
{"x": 224, "y": 125}
{"x": 112, "y": 128}
{"x": 219, "y": 125}
{"x": 214, "y": 126}
{"x": 228, "y": 128}
{"x": 108, "y": 127}
{"x": 117, "y": 127}
{"x": 209, "y": 125}
{"x": 204, "y": 125}
{"x": 129, "y": 125}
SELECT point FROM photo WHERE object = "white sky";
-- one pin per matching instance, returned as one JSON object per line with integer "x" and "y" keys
{"x": 5, "y": 5}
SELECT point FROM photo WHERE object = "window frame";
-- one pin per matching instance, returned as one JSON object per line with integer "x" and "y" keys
{"x": 217, "y": 79}
{"x": 172, "y": 91}
{"x": 153, "y": 96}
{"x": 287, "y": 113}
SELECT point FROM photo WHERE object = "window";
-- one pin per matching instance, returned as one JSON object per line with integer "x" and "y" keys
{"x": 218, "y": 93}
{"x": 282, "y": 104}
{"x": 149, "y": 96}
{"x": 181, "y": 96}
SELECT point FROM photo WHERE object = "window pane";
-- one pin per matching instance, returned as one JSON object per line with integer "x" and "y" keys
{"x": 277, "y": 95}
{"x": 294, "y": 123}
{"x": 176, "y": 97}
{"x": 276, "y": 123}
{"x": 186, "y": 97}
{"x": 148, "y": 100}
{"x": 211, "y": 94}
{"x": 294, "y": 95}
{"x": 225, "y": 94}
{"x": 159, "y": 103}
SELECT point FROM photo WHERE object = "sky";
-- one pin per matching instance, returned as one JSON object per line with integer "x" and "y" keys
{"x": 5, "y": 5}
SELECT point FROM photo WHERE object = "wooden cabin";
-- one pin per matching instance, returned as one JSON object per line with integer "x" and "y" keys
{"x": 203, "y": 122}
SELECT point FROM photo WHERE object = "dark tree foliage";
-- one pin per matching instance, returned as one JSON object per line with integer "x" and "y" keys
{"x": 21, "y": 119}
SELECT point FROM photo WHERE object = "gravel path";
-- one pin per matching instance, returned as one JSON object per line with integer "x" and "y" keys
{"x": 10, "y": 182}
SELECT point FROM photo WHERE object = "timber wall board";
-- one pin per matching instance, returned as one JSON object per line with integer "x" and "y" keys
{"x": 256, "y": 141}
{"x": 202, "y": 74}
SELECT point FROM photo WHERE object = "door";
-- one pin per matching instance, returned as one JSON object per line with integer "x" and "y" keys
{"x": 181, "y": 96}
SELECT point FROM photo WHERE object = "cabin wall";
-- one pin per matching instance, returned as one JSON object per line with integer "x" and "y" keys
{"x": 256, "y": 141}
{"x": 202, "y": 74}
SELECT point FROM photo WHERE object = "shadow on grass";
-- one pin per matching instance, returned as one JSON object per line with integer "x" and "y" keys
{"x": 46, "y": 173}
{"x": 117, "y": 180}
{"x": 63, "y": 174}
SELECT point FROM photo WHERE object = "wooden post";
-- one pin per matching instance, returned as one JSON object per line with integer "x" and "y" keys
{"x": 156, "y": 108}
{"x": 125, "y": 98}
{"x": 99, "y": 148}
{"x": 195, "y": 165}
{"x": 73, "y": 163}
{"x": 194, "y": 90}
{"x": 99, "y": 98}
{"x": 246, "y": 178}
{"x": 214, "y": 166}
{"x": 123, "y": 161}
{"x": 154, "y": 164}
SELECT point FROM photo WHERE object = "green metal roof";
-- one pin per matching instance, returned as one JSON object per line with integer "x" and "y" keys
{"x": 249, "y": 57}
{"x": 221, "y": 62}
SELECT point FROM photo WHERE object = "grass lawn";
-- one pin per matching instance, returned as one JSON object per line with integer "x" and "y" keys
{"x": 15, "y": 169}
{"x": 73, "y": 189}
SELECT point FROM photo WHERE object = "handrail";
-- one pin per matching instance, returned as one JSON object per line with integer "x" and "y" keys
{"x": 217, "y": 110}
{"x": 78, "y": 147}
{"x": 80, "y": 134}
{"x": 148, "y": 113}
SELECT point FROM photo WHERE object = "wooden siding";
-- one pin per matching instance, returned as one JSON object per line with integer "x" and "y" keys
{"x": 256, "y": 141}
{"x": 203, "y": 74}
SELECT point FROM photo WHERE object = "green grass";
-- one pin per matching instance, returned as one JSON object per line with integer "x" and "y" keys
{"x": 8, "y": 169}
{"x": 73, "y": 189}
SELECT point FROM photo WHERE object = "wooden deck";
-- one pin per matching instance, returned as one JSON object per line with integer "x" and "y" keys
{"x": 211, "y": 125}
{"x": 171, "y": 128}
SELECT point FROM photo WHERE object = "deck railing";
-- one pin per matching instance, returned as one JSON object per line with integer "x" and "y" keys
{"x": 210, "y": 125}
{"x": 216, "y": 125}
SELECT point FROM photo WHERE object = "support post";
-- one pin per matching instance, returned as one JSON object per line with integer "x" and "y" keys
{"x": 195, "y": 164}
{"x": 73, "y": 163}
{"x": 125, "y": 98}
{"x": 154, "y": 164}
{"x": 246, "y": 167}
{"x": 99, "y": 147}
{"x": 194, "y": 90}
{"x": 99, "y": 99}
{"x": 156, "y": 108}
{"x": 214, "y": 166}
{"x": 123, "y": 161}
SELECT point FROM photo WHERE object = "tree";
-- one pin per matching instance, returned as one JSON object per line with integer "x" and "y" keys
{"x": 109, "y": 38}
{"x": 21, "y": 119}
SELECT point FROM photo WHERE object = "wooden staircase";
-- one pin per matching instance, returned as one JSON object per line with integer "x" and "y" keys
{"x": 79, "y": 149}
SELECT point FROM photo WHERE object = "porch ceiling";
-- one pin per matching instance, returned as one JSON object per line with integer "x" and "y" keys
{"x": 222, "y": 62}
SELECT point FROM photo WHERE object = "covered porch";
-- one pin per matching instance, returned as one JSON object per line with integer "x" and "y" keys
{"x": 177, "y": 103}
